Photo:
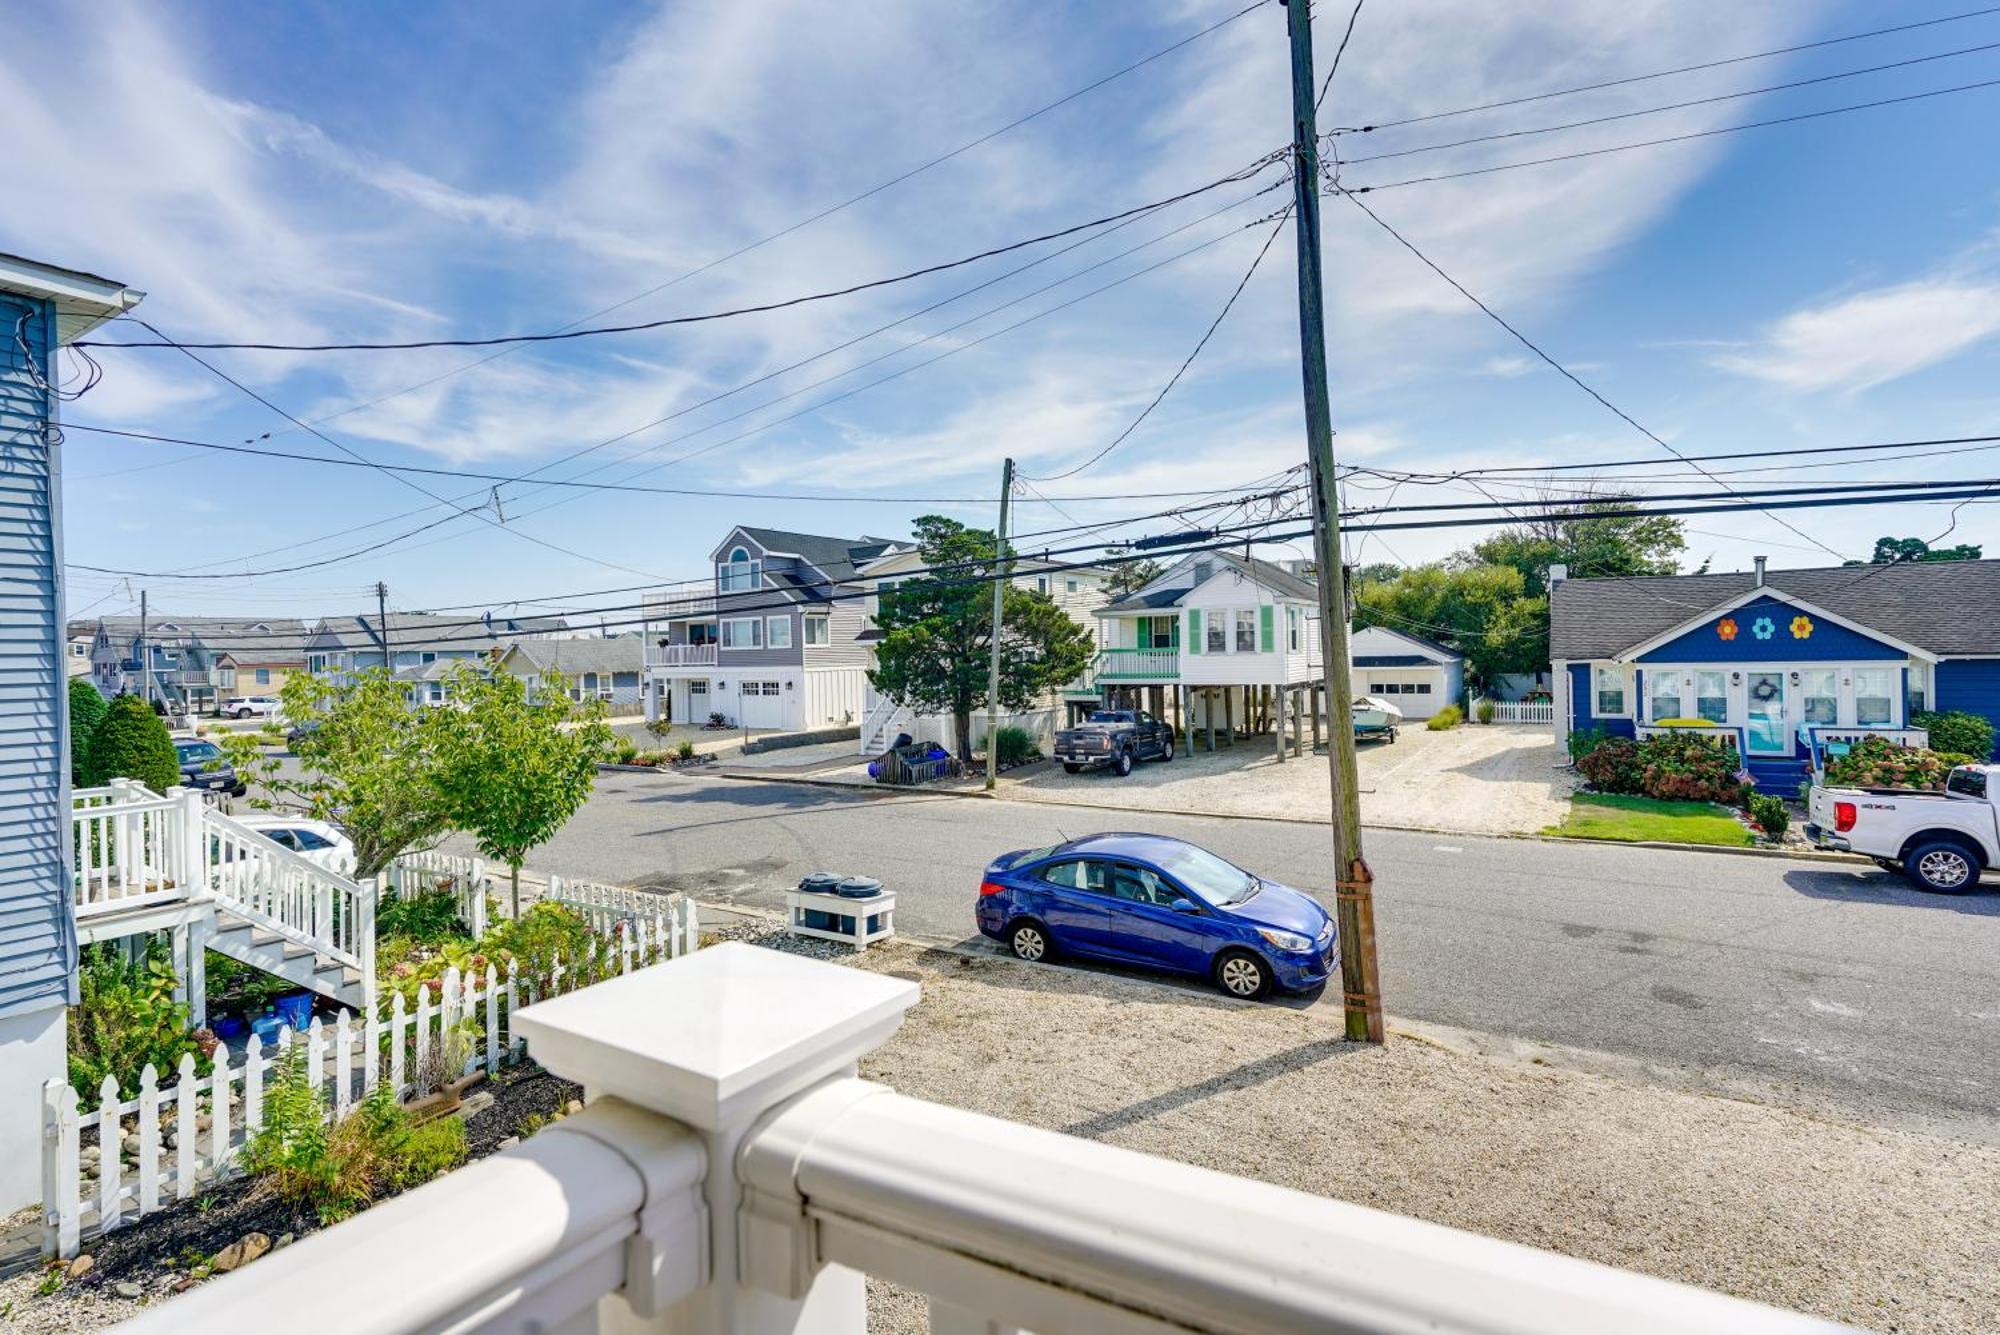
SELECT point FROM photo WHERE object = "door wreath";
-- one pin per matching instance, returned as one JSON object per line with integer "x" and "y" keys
{"x": 1764, "y": 690}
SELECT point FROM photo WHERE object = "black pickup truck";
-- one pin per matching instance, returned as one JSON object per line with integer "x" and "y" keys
{"x": 1114, "y": 737}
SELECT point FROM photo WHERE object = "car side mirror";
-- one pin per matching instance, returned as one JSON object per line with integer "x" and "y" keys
{"x": 1186, "y": 906}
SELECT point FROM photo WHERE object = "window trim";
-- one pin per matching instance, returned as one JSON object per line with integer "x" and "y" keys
{"x": 756, "y": 625}
{"x": 824, "y": 626}
{"x": 1241, "y": 619}
{"x": 1624, "y": 675}
{"x": 771, "y": 627}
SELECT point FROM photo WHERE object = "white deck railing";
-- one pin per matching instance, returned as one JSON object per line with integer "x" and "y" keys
{"x": 680, "y": 655}
{"x": 737, "y": 1178}
{"x": 130, "y": 847}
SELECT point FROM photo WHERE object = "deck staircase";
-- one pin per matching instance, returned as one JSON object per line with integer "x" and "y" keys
{"x": 147, "y": 862}
{"x": 1778, "y": 776}
{"x": 885, "y": 719}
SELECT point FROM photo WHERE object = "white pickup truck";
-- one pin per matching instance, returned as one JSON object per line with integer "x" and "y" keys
{"x": 1941, "y": 841}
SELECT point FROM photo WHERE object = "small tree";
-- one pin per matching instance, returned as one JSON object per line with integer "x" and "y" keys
{"x": 1128, "y": 577}
{"x": 132, "y": 743}
{"x": 514, "y": 767}
{"x": 86, "y": 710}
{"x": 937, "y": 634}
{"x": 368, "y": 761}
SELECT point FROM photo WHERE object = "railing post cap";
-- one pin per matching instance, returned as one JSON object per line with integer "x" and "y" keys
{"x": 715, "y": 1038}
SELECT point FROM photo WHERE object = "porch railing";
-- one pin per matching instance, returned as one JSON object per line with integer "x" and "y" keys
{"x": 1715, "y": 735}
{"x": 1818, "y": 738}
{"x": 680, "y": 655}
{"x": 1138, "y": 664}
{"x": 735, "y": 1178}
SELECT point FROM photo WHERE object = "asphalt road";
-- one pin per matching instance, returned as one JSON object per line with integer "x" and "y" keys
{"x": 1821, "y": 984}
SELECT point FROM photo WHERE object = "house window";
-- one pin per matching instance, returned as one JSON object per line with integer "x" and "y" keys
{"x": 1217, "y": 632}
{"x": 1666, "y": 690}
{"x": 1071, "y": 586}
{"x": 1820, "y": 688}
{"x": 1914, "y": 698}
{"x": 1294, "y": 630}
{"x": 1041, "y": 584}
{"x": 1874, "y": 697}
{"x": 1423, "y": 688}
{"x": 1610, "y": 691}
{"x": 263, "y": 676}
{"x": 742, "y": 632}
{"x": 779, "y": 635}
{"x": 226, "y": 677}
{"x": 1711, "y": 696}
{"x": 817, "y": 631}
{"x": 1246, "y": 632}
{"x": 739, "y": 573}
{"x": 80, "y": 650}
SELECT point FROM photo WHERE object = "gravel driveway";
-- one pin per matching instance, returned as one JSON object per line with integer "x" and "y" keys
{"x": 1888, "y": 1230}
{"x": 1497, "y": 779}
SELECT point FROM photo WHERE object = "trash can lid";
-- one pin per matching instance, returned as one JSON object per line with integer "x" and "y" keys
{"x": 820, "y": 882}
{"x": 859, "y": 887}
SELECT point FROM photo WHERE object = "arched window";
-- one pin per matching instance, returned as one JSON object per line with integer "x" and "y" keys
{"x": 740, "y": 573}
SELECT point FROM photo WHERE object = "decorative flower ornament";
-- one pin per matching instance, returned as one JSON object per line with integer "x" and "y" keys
{"x": 1802, "y": 627}
{"x": 1764, "y": 628}
{"x": 1726, "y": 628}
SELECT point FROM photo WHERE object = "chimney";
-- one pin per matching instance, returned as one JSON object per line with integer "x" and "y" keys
{"x": 1760, "y": 560}
{"x": 1557, "y": 574}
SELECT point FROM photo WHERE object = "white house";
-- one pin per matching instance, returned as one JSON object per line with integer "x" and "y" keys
{"x": 1414, "y": 674}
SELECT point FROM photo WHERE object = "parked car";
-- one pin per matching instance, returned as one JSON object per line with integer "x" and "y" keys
{"x": 203, "y": 766}
{"x": 318, "y": 841}
{"x": 1160, "y": 903}
{"x": 299, "y": 731}
{"x": 1941, "y": 841}
{"x": 251, "y": 706}
{"x": 1114, "y": 737}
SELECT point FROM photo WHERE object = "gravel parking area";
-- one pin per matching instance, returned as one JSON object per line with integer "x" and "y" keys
{"x": 1882, "y": 1229}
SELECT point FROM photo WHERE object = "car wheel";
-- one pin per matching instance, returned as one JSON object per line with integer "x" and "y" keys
{"x": 1167, "y": 752}
{"x": 1029, "y": 941}
{"x": 243, "y": 713}
{"x": 1123, "y": 764}
{"x": 1241, "y": 974}
{"x": 1942, "y": 867}
{"x": 1071, "y": 769}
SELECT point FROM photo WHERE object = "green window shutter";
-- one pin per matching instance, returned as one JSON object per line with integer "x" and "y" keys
{"x": 1194, "y": 630}
{"x": 1175, "y": 631}
{"x": 1264, "y": 618}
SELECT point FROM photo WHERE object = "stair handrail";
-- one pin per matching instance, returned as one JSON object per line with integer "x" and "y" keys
{"x": 345, "y": 935}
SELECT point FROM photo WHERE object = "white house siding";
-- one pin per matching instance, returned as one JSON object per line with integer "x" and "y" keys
{"x": 1225, "y": 593}
{"x": 833, "y": 696}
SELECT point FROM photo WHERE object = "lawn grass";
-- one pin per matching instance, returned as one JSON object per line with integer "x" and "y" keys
{"x": 1604, "y": 816}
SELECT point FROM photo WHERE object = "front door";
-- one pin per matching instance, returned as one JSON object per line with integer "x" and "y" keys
{"x": 1769, "y": 734}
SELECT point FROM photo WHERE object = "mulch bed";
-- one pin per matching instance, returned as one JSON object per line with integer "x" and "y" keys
{"x": 151, "y": 1251}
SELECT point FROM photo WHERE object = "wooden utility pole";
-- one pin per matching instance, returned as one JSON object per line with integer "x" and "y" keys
{"x": 382, "y": 623}
{"x": 145, "y": 655}
{"x": 1001, "y": 569}
{"x": 1354, "y": 904}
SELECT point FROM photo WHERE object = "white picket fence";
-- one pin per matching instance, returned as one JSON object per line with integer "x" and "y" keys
{"x": 89, "y": 1190}
{"x": 1519, "y": 711}
{"x": 413, "y": 874}
{"x": 604, "y": 907}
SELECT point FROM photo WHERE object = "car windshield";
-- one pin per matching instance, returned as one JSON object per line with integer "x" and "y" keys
{"x": 1220, "y": 883}
{"x": 1111, "y": 716}
{"x": 192, "y": 752}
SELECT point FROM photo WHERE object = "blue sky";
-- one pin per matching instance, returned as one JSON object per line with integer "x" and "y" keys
{"x": 326, "y": 172}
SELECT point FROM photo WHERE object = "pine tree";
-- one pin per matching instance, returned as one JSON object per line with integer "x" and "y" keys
{"x": 86, "y": 710}
{"x": 132, "y": 743}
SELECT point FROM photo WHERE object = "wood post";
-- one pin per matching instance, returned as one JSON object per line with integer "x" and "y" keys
{"x": 1229, "y": 714}
{"x": 1281, "y": 725}
{"x": 1208, "y": 714}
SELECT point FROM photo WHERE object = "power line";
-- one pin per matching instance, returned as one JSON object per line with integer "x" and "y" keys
{"x": 1564, "y": 371}
{"x": 1663, "y": 74}
{"x": 1666, "y": 107}
{"x": 562, "y": 335}
{"x": 1594, "y": 464}
{"x": 1671, "y": 139}
{"x": 1181, "y": 370}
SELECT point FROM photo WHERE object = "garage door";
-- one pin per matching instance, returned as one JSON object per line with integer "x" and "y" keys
{"x": 763, "y": 705}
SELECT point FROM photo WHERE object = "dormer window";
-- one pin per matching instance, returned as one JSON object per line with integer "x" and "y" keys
{"x": 740, "y": 573}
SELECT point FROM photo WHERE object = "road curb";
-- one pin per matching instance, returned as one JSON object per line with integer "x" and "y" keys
{"x": 1793, "y": 855}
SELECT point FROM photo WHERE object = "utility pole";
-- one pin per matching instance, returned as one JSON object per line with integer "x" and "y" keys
{"x": 145, "y": 655}
{"x": 1001, "y": 570}
{"x": 1354, "y": 902}
{"x": 382, "y": 623}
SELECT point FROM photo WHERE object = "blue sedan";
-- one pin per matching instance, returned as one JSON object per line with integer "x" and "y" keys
{"x": 1159, "y": 903}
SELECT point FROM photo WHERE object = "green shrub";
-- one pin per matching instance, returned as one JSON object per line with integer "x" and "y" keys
{"x": 1484, "y": 711}
{"x": 685, "y": 750}
{"x": 1583, "y": 742}
{"x": 660, "y": 727}
{"x": 1956, "y": 731}
{"x": 425, "y": 1151}
{"x": 1877, "y": 762}
{"x": 625, "y": 750}
{"x": 1771, "y": 814}
{"x": 132, "y": 743}
{"x": 125, "y": 1018}
{"x": 1684, "y": 767}
{"x": 1445, "y": 719}
{"x": 1610, "y": 764}
{"x": 86, "y": 710}
{"x": 1011, "y": 746}
{"x": 428, "y": 919}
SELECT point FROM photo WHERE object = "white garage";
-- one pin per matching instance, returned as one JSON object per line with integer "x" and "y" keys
{"x": 761, "y": 703}
{"x": 1416, "y": 675}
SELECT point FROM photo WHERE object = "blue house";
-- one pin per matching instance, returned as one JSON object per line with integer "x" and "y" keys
{"x": 42, "y": 307}
{"x": 1791, "y": 661}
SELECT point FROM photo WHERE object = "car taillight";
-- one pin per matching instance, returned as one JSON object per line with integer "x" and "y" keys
{"x": 1843, "y": 817}
{"x": 992, "y": 888}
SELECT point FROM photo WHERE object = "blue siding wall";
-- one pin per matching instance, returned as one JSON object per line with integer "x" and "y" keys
{"x": 1583, "y": 698}
{"x": 37, "y": 930}
{"x": 1970, "y": 684}
{"x": 1827, "y": 643}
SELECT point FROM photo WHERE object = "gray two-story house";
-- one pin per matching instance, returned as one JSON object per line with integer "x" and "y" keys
{"x": 774, "y": 641}
{"x": 419, "y": 647}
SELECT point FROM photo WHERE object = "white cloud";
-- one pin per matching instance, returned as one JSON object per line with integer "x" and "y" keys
{"x": 1506, "y": 368}
{"x": 1872, "y": 337}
